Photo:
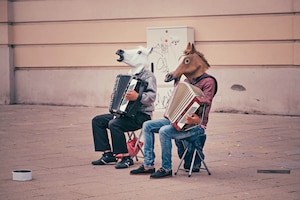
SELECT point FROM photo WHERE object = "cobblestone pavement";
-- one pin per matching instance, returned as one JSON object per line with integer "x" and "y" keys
{"x": 56, "y": 143}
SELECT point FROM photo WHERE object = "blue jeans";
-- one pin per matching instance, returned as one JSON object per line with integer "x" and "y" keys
{"x": 167, "y": 132}
{"x": 149, "y": 129}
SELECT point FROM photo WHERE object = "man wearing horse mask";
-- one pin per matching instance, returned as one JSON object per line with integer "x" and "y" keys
{"x": 193, "y": 65}
{"x": 137, "y": 59}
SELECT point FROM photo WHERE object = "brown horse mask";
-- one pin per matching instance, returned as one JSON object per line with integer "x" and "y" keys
{"x": 192, "y": 64}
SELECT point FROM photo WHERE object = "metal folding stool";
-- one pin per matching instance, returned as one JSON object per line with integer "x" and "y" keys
{"x": 195, "y": 153}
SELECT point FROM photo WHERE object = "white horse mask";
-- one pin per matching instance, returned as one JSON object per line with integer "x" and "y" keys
{"x": 137, "y": 59}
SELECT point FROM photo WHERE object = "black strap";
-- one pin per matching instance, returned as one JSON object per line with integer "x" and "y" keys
{"x": 203, "y": 76}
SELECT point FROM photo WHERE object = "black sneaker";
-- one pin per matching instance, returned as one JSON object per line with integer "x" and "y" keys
{"x": 142, "y": 170}
{"x": 125, "y": 163}
{"x": 161, "y": 173}
{"x": 105, "y": 159}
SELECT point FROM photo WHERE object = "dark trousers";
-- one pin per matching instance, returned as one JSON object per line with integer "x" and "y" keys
{"x": 117, "y": 127}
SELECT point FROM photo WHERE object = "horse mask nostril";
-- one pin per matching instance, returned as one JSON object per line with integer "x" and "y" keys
{"x": 120, "y": 53}
{"x": 169, "y": 77}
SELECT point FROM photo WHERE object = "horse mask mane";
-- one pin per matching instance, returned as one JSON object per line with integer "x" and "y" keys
{"x": 137, "y": 58}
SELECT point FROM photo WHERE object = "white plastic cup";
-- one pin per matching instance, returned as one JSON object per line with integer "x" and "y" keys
{"x": 22, "y": 175}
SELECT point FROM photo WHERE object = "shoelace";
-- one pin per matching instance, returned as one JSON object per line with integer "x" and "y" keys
{"x": 126, "y": 162}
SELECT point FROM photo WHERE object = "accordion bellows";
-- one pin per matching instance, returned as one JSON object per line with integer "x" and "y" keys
{"x": 119, "y": 106}
{"x": 185, "y": 100}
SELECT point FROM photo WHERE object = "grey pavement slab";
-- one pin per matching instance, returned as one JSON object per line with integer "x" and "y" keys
{"x": 56, "y": 143}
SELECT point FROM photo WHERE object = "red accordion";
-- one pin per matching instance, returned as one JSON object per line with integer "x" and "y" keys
{"x": 185, "y": 100}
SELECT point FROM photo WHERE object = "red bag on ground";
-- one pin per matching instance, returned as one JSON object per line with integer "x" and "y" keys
{"x": 133, "y": 149}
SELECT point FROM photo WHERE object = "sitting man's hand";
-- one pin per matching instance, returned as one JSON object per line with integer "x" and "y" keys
{"x": 131, "y": 95}
{"x": 192, "y": 119}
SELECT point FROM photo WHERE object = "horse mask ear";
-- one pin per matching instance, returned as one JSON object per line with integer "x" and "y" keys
{"x": 189, "y": 48}
{"x": 193, "y": 50}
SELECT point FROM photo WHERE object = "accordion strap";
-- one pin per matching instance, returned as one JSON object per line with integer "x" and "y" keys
{"x": 207, "y": 76}
{"x": 141, "y": 90}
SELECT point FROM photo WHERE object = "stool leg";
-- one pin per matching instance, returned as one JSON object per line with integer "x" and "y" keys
{"x": 140, "y": 148}
{"x": 138, "y": 143}
{"x": 192, "y": 164}
{"x": 206, "y": 168}
{"x": 181, "y": 160}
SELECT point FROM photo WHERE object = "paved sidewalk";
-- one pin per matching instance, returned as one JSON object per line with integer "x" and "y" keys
{"x": 56, "y": 143}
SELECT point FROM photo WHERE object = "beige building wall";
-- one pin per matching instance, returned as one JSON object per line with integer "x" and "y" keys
{"x": 63, "y": 52}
